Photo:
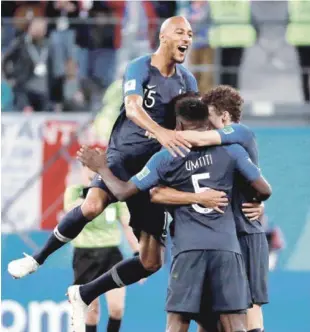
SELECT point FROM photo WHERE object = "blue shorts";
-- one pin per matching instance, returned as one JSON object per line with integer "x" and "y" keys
{"x": 254, "y": 248}
{"x": 207, "y": 280}
{"x": 144, "y": 215}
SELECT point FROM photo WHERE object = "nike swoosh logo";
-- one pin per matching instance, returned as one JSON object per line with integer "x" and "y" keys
{"x": 151, "y": 86}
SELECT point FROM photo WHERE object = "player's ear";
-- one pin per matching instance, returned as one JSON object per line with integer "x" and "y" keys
{"x": 162, "y": 38}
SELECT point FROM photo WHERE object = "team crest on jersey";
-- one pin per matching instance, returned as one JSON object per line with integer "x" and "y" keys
{"x": 145, "y": 172}
{"x": 130, "y": 85}
{"x": 228, "y": 130}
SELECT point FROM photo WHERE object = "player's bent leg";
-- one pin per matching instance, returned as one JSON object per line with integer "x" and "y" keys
{"x": 93, "y": 316}
{"x": 233, "y": 322}
{"x": 69, "y": 227}
{"x": 116, "y": 307}
{"x": 151, "y": 252}
{"x": 125, "y": 273}
{"x": 255, "y": 318}
{"x": 177, "y": 322}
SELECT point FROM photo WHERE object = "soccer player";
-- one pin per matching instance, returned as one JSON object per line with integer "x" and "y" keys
{"x": 150, "y": 82}
{"x": 96, "y": 251}
{"x": 224, "y": 104}
{"x": 207, "y": 270}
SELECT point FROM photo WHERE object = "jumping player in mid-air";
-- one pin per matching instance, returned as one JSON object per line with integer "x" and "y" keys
{"x": 150, "y": 82}
{"x": 207, "y": 270}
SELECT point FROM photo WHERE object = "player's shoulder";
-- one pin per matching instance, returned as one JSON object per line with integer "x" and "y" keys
{"x": 141, "y": 61}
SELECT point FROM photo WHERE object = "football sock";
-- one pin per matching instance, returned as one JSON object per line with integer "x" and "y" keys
{"x": 122, "y": 274}
{"x": 69, "y": 227}
{"x": 114, "y": 325}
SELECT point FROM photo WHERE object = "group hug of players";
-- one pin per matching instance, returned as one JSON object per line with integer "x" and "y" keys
{"x": 173, "y": 150}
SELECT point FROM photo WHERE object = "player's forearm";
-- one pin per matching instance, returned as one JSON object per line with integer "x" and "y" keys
{"x": 136, "y": 114}
{"x": 170, "y": 196}
{"x": 262, "y": 188}
{"x": 120, "y": 189}
{"x": 201, "y": 138}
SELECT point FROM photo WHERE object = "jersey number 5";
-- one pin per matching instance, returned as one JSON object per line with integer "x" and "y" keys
{"x": 195, "y": 179}
{"x": 149, "y": 100}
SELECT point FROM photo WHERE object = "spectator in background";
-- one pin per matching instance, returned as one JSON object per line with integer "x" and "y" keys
{"x": 25, "y": 64}
{"x": 139, "y": 27}
{"x": 201, "y": 54}
{"x": 98, "y": 42}
{"x": 62, "y": 46}
{"x": 7, "y": 27}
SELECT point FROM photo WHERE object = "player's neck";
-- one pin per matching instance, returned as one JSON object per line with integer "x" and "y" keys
{"x": 159, "y": 60}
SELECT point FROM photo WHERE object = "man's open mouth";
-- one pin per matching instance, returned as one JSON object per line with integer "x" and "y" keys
{"x": 183, "y": 48}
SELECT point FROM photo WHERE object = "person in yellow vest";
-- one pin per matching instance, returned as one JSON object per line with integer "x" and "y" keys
{"x": 96, "y": 251}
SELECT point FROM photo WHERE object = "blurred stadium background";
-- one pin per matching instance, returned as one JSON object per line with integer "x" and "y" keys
{"x": 68, "y": 94}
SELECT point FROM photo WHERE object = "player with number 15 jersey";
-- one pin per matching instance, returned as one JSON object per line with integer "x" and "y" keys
{"x": 129, "y": 149}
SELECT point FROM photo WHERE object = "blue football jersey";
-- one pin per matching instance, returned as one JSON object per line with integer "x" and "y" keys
{"x": 145, "y": 80}
{"x": 197, "y": 227}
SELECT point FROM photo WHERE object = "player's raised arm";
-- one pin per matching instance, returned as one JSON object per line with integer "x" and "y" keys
{"x": 147, "y": 178}
{"x": 97, "y": 162}
{"x": 210, "y": 198}
{"x": 251, "y": 172}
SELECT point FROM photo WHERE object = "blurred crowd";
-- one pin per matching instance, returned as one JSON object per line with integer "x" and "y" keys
{"x": 63, "y": 55}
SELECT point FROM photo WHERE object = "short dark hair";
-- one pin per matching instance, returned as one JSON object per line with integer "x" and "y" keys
{"x": 191, "y": 108}
{"x": 170, "y": 114}
{"x": 225, "y": 98}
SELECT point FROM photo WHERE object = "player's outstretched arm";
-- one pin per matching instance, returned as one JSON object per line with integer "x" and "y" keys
{"x": 232, "y": 134}
{"x": 201, "y": 138}
{"x": 210, "y": 198}
{"x": 96, "y": 160}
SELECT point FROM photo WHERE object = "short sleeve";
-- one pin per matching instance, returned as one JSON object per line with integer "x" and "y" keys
{"x": 244, "y": 163}
{"x": 134, "y": 77}
{"x": 151, "y": 174}
{"x": 235, "y": 134}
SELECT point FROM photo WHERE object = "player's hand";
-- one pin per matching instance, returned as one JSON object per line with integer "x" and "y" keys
{"x": 171, "y": 141}
{"x": 95, "y": 159}
{"x": 253, "y": 211}
{"x": 213, "y": 199}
